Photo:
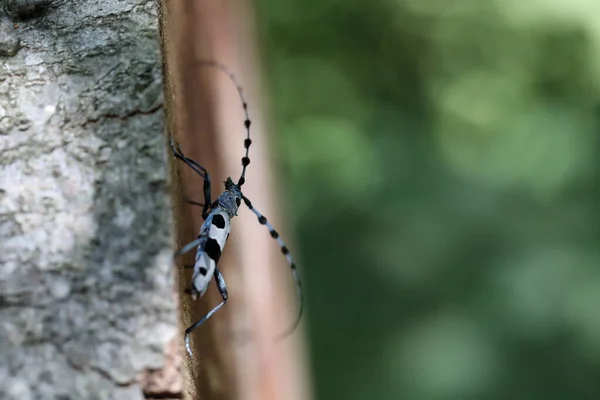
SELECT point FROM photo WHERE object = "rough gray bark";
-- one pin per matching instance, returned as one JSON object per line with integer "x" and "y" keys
{"x": 86, "y": 303}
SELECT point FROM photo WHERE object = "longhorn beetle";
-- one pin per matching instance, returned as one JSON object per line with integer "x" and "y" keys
{"x": 217, "y": 216}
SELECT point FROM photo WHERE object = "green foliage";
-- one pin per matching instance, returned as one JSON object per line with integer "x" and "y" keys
{"x": 443, "y": 165}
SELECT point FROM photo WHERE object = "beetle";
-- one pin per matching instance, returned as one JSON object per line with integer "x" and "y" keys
{"x": 215, "y": 229}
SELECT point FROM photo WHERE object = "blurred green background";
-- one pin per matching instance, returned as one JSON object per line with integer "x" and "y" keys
{"x": 442, "y": 165}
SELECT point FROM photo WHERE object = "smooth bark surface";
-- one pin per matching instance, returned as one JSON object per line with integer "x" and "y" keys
{"x": 236, "y": 356}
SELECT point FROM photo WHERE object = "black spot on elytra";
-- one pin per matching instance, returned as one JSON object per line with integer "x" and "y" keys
{"x": 212, "y": 249}
{"x": 218, "y": 221}
{"x": 203, "y": 271}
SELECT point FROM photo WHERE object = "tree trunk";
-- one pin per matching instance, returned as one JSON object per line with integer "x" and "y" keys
{"x": 86, "y": 296}
{"x": 86, "y": 303}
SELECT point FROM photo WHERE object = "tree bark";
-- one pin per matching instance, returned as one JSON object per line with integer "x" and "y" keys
{"x": 86, "y": 305}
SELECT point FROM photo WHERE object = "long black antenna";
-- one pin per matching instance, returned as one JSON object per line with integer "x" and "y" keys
{"x": 247, "y": 123}
{"x": 286, "y": 252}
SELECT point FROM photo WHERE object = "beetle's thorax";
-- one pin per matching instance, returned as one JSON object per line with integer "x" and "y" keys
{"x": 230, "y": 199}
